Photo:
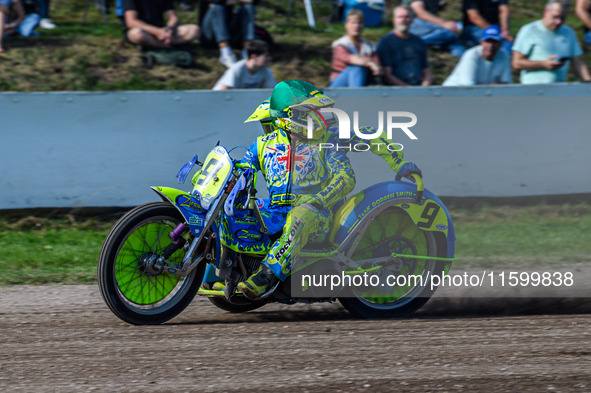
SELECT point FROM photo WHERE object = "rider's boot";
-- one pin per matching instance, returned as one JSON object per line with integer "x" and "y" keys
{"x": 258, "y": 283}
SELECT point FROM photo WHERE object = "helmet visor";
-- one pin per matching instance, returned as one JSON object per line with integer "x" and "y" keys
{"x": 304, "y": 119}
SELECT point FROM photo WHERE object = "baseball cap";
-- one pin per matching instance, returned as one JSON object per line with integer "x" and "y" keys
{"x": 492, "y": 33}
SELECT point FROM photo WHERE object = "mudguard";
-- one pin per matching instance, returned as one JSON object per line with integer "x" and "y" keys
{"x": 187, "y": 204}
{"x": 428, "y": 215}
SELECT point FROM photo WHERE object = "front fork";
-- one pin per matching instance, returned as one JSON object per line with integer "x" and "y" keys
{"x": 157, "y": 264}
{"x": 189, "y": 263}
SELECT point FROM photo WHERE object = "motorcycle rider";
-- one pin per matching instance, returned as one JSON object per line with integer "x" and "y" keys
{"x": 306, "y": 184}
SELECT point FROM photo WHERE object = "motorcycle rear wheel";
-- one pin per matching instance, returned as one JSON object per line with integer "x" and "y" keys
{"x": 394, "y": 231}
{"x": 134, "y": 293}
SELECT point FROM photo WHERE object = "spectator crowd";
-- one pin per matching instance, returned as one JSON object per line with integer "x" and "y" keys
{"x": 542, "y": 51}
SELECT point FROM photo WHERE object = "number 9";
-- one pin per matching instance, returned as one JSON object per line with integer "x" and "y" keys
{"x": 429, "y": 214}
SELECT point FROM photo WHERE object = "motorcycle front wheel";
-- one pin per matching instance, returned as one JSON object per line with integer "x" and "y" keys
{"x": 133, "y": 290}
{"x": 404, "y": 284}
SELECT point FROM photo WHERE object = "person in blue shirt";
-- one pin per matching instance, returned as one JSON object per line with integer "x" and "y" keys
{"x": 544, "y": 49}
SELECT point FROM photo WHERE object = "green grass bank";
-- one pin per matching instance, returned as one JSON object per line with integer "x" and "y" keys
{"x": 65, "y": 249}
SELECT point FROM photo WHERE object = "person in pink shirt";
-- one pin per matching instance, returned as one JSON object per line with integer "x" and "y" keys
{"x": 354, "y": 60}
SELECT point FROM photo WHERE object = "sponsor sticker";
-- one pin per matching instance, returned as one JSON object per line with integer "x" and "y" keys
{"x": 189, "y": 203}
{"x": 248, "y": 236}
{"x": 269, "y": 137}
{"x": 196, "y": 220}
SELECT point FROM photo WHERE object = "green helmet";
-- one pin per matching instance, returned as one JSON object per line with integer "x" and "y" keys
{"x": 295, "y": 104}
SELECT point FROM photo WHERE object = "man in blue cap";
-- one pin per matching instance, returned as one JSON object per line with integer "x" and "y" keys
{"x": 487, "y": 63}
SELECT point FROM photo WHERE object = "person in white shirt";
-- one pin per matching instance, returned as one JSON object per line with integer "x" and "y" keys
{"x": 487, "y": 63}
{"x": 250, "y": 73}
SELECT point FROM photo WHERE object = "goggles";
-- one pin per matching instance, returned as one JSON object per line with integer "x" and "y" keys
{"x": 267, "y": 126}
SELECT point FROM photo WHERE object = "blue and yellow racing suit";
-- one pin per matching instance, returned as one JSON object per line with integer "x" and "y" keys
{"x": 306, "y": 186}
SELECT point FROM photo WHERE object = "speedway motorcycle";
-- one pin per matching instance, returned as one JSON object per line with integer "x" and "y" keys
{"x": 160, "y": 255}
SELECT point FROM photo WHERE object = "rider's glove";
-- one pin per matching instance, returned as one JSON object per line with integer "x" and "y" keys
{"x": 310, "y": 199}
{"x": 407, "y": 169}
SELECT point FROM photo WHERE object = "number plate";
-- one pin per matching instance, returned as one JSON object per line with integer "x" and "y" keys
{"x": 217, "y": 169}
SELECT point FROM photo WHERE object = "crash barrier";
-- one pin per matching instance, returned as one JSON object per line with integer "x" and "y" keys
{"x": 80, "y": 149}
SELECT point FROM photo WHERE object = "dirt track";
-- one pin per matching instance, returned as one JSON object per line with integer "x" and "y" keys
{"x": 64, "y": 339}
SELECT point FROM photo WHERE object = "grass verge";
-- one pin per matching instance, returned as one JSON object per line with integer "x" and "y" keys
{"x": 509, "y": 236}
{"x": 37, "y": 250}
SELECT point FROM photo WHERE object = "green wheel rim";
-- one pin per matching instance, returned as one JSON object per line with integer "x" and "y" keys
{"x": 137, "y": 286}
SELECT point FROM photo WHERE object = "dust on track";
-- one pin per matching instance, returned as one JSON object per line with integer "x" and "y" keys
{"x": 64, "y": 339}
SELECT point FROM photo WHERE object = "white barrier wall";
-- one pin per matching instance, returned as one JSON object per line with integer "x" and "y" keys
{"x": 106, "y": 149}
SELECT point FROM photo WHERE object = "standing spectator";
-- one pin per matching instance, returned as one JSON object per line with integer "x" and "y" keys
{"x": 479, "y": 14}
{"x": 23, "y": 24}
{"x": 433, "y": 29}
{"x": 146, "y": 27}
{"x": 352, "y": 56}
{"x": 543, "y": 48}
{"x": 120, "y": 11}
{"x": 403, "y": 55}
{"x": 583, "y": 12}
{"x": 484, "y": 64}
{"x": 250, "y": 73}
{"x": 45, "y": 22}
{"x": 224, "y": 27}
